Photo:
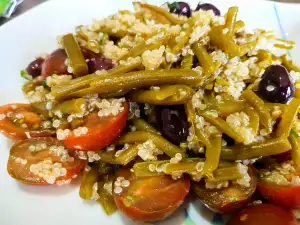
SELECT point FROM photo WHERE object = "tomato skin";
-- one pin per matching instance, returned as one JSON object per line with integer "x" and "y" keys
{"x": 226, "y": 200}
{"x": 14, "y": 132}
{"x": 286, "y": 196}
{"x": 263, "y": 214}
{"x": 55, "y": 63}
{"x": 22, "y": 173}
{"x": 150, "y": 199}
{"x": 101, "y": 132}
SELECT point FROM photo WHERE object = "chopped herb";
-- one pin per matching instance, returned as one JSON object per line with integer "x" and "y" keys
{"x": 25, "y": 75}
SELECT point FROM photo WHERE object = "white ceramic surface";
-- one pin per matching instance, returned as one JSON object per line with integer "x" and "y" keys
{"x": 34, "y": 32}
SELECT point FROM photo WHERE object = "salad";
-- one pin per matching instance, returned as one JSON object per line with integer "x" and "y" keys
{"x": 152, "y": 105}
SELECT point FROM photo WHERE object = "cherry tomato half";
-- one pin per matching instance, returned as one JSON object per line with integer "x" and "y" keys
{"x": 229, "y": 199}
{"x": 55, "y": 63}
{"x": 150, "y": 198}
{"x": 287, "y": 196}
{"x": 263, "y": 214}
{"x": 101, "y": 131}
{"x": 12, "y": 118}
{"x": 22, "y": 157}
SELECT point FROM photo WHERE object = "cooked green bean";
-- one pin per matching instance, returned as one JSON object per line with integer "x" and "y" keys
{"x": 89, "y": 178}
{"x": 142, "y": 169}
{"x": 210, "y": 101}
{"x": 268, "y": 147}
{"x": 141, "y": 124}
{"x": 264, "y": 58}
{"x": 295, "y": 142}
{"x": 108, "y": 157}
{"x": 73, "y": 106}
{"x": 128, "y": 155}
{"x": 187, "y": 62}
{"x": 75, "y": 55}
{"x": 159, "y": 14}
{"x": 109, "y": 84}
{"x": 143, "y": 136}
{"x": 228, "y": 107}
{"x": 231, "y": 19}
{"x": 253, "y": 118}
{"x": 40, "y": 107}
{"x": 289, "y": 64}
{"x": 258, "y": 104}
{"x": 165, "y": 95}
{"x": 288, "y": 118}
{"x": 223, "y": 126}
{"x": 205, "y": 59}
{"x": 183, "y": 41}
{"x": 226, "y": 173}
{"x": 77, "y": 122}
{"x": 191, "y": 115}
{"x": 238, "y": 25}
{"x": 106, "y": 198}
{"x": 212, "y": 156}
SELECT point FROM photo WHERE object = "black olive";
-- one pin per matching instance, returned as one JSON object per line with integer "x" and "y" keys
{"x": 95, "y": 64}
{"x": 276, "y": 85}
{"x": 228, "y": 139}
{"x": 207, "y": 6}
{"x": 172, "y": 123}
{"x": 35, "y": 67}
{"x": 180, "y": 8}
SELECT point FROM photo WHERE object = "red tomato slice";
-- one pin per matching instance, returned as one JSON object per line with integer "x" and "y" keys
{"x": 150, "y": 198}
{"x": 22, "y": 157}
{"x": 263, "y": 214}
{"x": 31, "y": 119}
{"x": 55, "y": 63}
{"x": 287, "y": 196}
{"x": 101, "y": 131}
{"x": 226, "y": 200}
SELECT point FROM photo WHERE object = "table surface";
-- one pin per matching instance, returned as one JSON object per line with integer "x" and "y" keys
{"x": 28, "y": 4}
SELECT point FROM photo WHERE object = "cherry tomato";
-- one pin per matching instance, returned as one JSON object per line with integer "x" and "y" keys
{"x": 263, "y": 214}
{"x": 287, "y": 196}
{"x": 55, "y": 63}
{"x": 12, "y": 118}
{"x": 226, "y": 200}
{"x": 22, "y": 157}
{"x": 150, "y": 198}
{"x": 101, "y": 131}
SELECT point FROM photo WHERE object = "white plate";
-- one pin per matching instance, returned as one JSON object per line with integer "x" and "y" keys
{"x": 34, "y": 32}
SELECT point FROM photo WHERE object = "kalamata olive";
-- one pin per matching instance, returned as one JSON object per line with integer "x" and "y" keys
{"x": 95, "y": 64}
{"x": 180, "y": 8}
{"x": 207, "y": 6}
{"x": 276, "y": 85}
{"x": 172, "y": 123}
{"x": 35, "y": 67}
{"x": 55, "y": 63}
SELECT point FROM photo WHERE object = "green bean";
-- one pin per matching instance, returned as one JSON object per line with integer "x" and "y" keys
{"x": 228, "y": 107}
{"x": 80, "y": 83}
{"x": 128, "y": 155}
{"x": 143, "y": 136}
{"x": 289, "y": 64}
{"x": 264, "y": 58}
{"x": 210, "y": 101}
{"x": 141, "y": 124}
{"x": 187, "y": 62}
{"x": 191, "y": 116}
{"x": 108, "y": 157}
{"x": 238, "y": 25}
{"x": 73, "y": 106}
{"x": 104, "y": 168}
{"x": 288, "y": 118}
{"x": 75, "y": 55}
{"x": 295, "y": 142}
{"x": 142, "y": 169}
{"x": 89, "y": 178}
{"x": 205, "y": 59}
{"x": 40, "y": 107}
{"x": 258, "y": 104}
{"x": 223, "y": 126}
{"x": 212, "y": 156}
{"x": 226, "y": 173}
{"x": 253, "y": 118}
{"x": 159, "y": 14}
{"x": 225, "y": 40}
{"x": 166, "y": 95}
{"x": 185, "y": 39}
{"x": 106, "y": 198}
{"x": 268, "y": 147}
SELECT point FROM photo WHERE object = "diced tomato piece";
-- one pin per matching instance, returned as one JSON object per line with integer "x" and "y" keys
{"x": 150, "y": 198}
{"x": 101, "y": 131}
{"x": 263, "y": 214}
